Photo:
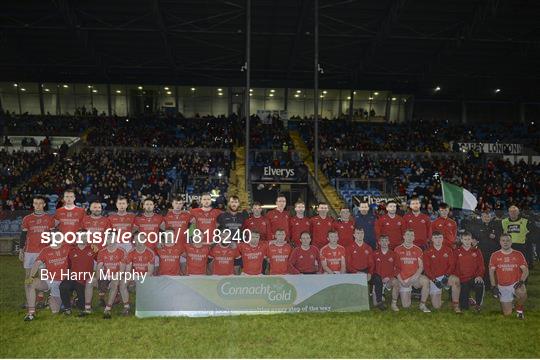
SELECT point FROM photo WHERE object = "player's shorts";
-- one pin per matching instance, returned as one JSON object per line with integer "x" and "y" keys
{"x": 54, "y": 287}
{"x": 433, "y": 289}
{"x": 29, "y": 259}
{"x": 415, "y": 284}
{"x": 507, "y": 293}
{"x": 183, "y": 260}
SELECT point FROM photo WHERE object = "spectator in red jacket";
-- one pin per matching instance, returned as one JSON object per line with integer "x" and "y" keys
{"x": 470, "y": 271}
{"x": 439, "y": 263}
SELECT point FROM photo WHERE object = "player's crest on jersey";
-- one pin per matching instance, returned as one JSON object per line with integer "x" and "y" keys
{"x": 433, "y": 256}
{"x": 460, "y": 254}
{"x": 391, "y": 259}
{"x": 422, "y": 221}
{"x": 399, "y": 223}
{"x": 318, "y": 223}
{"x": 366, "y": 252}
{"x": 445, "y": 255}
{"x": 69, "y": 214}
{"x": 474, "y": 254}
{"x": 506, "y": 259}
{"x": 388, "y": 224}
{"x": 378, "y": 259}
{"x": 311, "y": 256}
{"x": 75, "y": 255}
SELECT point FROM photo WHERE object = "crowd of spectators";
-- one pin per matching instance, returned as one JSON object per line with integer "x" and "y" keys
{"x": 164, "y": 131}
{"x": 496, "y": 183}
{"x": 418, "y": 136}
{"x": 103, "y": 175}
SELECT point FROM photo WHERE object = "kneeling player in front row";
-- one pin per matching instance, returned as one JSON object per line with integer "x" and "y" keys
{"x": 278, "y": 252}
{"x": 385, "y": 270}
{"x": 139, "y": 262}
{"x": 470, "y": 271}
{"x": 253, "y": 254}
{"x": 110, "y": 266}
{"x": 411, "y": 268}
{"x": 508, "y": 271}
{"x": 168, "y": 255}
{"x": 333, "y": 255}
{"x": 305, "y": 259}
{"x": 46, "y": 274}
{"x": 81, "y": 259}
{"x": 439, "y": 263}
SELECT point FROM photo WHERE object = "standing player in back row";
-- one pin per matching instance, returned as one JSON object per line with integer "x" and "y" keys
{"x": 96, "y": 224}
{"x": 508, "y": 272}
{"x": 446, "y": 226}
{"x": 391, "y": 225}
{"x": 123, "y": 223}
{"x": 149, "y": 223}
{"x": 69, "y": 217}
{"x": 278, "y": 218}
{"x": 299, "y": 223}
{"x": 419, "y": 223}
{"x": 232, "y": 220}
{"x": 205, "y": 218}
{"x": 321, "y": 225}
{"x": 178, "y": 221}
{"x": 345, "y": 227}
{"x": 257, "y": 222}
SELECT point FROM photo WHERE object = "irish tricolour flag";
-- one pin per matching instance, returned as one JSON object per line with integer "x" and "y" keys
{"x": 458, "y": 197}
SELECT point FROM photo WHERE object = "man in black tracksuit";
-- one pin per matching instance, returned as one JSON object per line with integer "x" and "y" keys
{"x": 486, "y": 231}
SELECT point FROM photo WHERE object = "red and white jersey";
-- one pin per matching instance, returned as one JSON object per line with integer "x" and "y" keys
{"x": 96, "y": 225}
{"x": 252, "y": 257}
{"x": 69, "y": 220}
{"x": 298, "y": 226}
{"x": 206, "y": 220}
{"x": 140, "y": 260}
{"x": 333, "y": 257}
{"x": 35, "y": 225}
{"x": 55, "y": 260}
{"x": 409, "y": 260}
{"x": 122, "y": 224}
{"x": 179, "y": 222}
{"x": 111, "y": 260}
{"x": 278, "y": 257}
{"x": 507, "y": 266}
{"x": 169, "y": 260}
{"x": 223, "y": 259}
{"x": 149, "y": 225}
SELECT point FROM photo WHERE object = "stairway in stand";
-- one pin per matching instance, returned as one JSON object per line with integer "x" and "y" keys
{"x": 329, "y": 191}
{"x": 237, "y": 180}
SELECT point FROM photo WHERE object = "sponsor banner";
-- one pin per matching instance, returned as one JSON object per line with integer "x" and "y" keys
{"x": 377, "y": 199}
{"x": 200, "y": 296}
{"x": 492, "y": 148}
{"x": 275, "y": 174}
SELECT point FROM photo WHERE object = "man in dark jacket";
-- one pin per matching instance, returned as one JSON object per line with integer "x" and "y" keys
{"x": 486, "y": 231}
{"x": 365, "y": 219}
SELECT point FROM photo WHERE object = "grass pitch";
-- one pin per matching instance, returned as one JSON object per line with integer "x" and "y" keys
{"x": 368, "y": 334}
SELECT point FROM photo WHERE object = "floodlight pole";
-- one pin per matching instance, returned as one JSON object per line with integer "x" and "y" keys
{"x": 316, "y": 89}
{"x": 248, "y": 79}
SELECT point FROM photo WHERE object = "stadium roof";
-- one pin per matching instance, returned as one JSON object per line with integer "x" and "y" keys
{"x": 467, "y": 47}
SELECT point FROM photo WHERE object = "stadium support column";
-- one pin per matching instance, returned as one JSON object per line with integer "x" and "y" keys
{"x": 41, "y": 103}
{"x": 248, "y": 85}
{"x": 109, "y": 101}
{"x": 351, "y": 105}
{"x": 316, "y": 89}
{"x": 176, "y": 108}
